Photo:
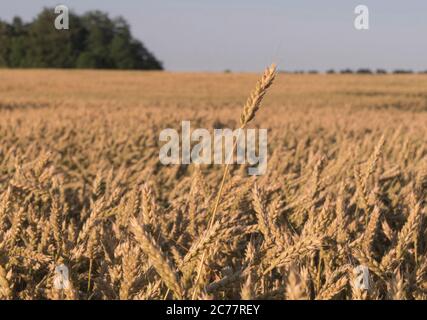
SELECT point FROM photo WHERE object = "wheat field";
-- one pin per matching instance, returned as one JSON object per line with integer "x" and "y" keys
{"x": 81, "y": 185}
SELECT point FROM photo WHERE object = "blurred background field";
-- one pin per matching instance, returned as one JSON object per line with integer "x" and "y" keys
{"x": 345, "y": 185}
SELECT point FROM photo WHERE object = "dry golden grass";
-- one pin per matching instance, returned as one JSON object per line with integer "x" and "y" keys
{"x": 81, "y": 184}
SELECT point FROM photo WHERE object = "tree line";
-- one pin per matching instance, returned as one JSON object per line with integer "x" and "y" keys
{"x": 360, "y": 71}
{"x": 93, "y": 41}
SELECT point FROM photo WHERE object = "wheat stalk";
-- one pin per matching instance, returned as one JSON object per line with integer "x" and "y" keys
{"x": 249, "y": 110}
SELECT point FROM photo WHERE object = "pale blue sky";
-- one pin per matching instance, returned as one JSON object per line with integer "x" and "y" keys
{"x": 246, "y": 35}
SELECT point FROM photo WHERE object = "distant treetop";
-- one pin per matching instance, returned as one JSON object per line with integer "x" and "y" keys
{"x": 92, "y": 41}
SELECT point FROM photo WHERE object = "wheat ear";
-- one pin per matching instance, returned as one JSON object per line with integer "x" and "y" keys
{"x": 160, "y": 261}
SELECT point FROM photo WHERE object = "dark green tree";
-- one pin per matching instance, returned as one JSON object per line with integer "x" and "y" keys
{"x": 52, "y": 48}
{"x": 122, "y": 52}
{"x": 92, "y": 41}
{"x": 17, "y": 46}
{"x": 100, "y": 34}
{"x": 5, "y": 40}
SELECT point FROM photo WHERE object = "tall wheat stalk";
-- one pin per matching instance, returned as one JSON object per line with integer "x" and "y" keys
{"x": 249, "y": 110}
